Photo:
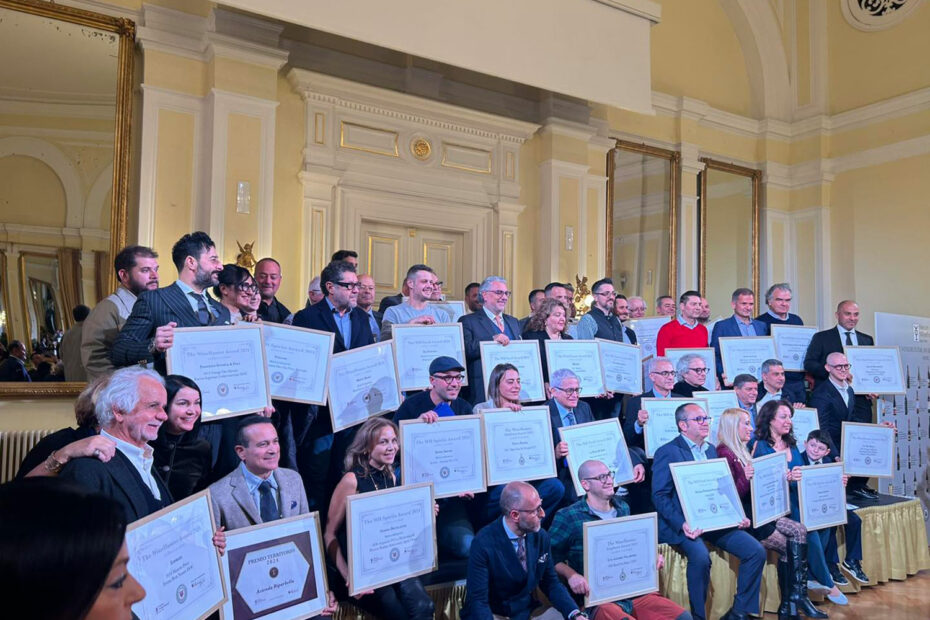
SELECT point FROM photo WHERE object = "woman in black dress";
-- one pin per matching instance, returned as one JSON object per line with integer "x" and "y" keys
{"x": 549, "y": 322}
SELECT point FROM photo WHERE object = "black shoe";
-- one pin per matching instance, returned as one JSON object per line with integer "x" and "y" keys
{"x": 837, "y": 575}
{"x": 732, "y": 614}
{"x": 871, "y": 493}
{"x": 860, "y": 494}
{"x": 855, "y": 569}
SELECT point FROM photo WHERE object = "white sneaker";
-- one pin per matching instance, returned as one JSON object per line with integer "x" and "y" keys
{"x": 839, "y": 599}
{"x": 816, "y": 585}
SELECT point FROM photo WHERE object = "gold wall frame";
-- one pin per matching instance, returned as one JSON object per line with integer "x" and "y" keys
{"x": 674, "y": 176}
{"x": 755, "y": 177}
{"x": 125, "y": 30}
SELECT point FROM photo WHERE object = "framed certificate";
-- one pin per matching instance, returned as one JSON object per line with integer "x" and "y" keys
{"x": 620, "y": 557}
{"x": 275, "y": 570}
{"x": 455, "y": 309}
{"x": 518, "y": 444}
{"x": 391, "y": 536}
{"x": 647, "y": 330}
{"x": 867, "y": 450}
{"x": 362, "y": 384}
{"x": 803, "y": 422}
{"x": 876, "y": 370}
{"x": 449, "y": 453}
{"x": 228, "y": 363}
{"x": 524, "y": 354}
{"x": 791, "y": 342}
{"x": 661, "y": 428}
{"x": 298, "y": 362}
{"x": 707, "y": 494}
{"x": 622, "y": 366}
{"x": 769, "y": 485}
{"x": 710, "y": 361}
{"x": 745, "y": 355}
{"x": 600, "y": 441}
{"x": 717, "y": 401}
{"x": 171, "y": 554}
{"x": 822, "y": 496}
{"x": 416, "y": 346}
{"x": 581, "y": 357}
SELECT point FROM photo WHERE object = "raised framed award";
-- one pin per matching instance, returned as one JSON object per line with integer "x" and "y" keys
{"x": 769, "y": 487}
{"x": 620, "y": 558}
{"x": 598, "y": 441}
{"x": 868, "y": 450}
{"x": 449, "y": 453}
{"x": 744, "y": 355}
{"x": 791, "y": 342}
{"x": 622, "y": 366}
{"x": 707, "y": 355}
{"x": 416, "y": 346}
{"x": 876, "y": 370}
{"x": 298, "y": 362}
{"x": 581, "y": 357}
{"x": 455, "y": 309}
{"x": 647, "y": 331}
{"x": 803, "y": 422}
{"x": 391, "y": 536}
{"x": 822, "y": 496}
{"x": 518, "y": 444}
{"x": 524, "y": 354}
{"x": 717, "y": 402}
{"x": 275, "y": 570}
{"x": 660, "y": 427}
{"x": 707, "y": 494}
{"x": 362, "y": 384}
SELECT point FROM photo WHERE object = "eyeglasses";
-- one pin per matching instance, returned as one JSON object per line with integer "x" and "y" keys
{"x": 350, "y": 286}
{"x": 538, "y": 510}
{"x": 841, "y": 366}
{"x": 450, "y": 379}
{"x": 501, "y": 293}
{"x": 602, "y": 477}
{"x": 664, "y": 373}
{"x": 607, "y": 294}
{"x": 700, "y": 371}
{"x": 701, "y": 419}
{"x": 247, "y": 288}
{"x": 439, "y": 283}
{"x": 366, "y": 288}
{"x": 569, "y": 391}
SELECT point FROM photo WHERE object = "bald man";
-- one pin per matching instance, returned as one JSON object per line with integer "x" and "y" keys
{"x": 832, "y": 340}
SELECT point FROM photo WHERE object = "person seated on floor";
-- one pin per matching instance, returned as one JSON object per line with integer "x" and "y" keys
{"x": 509, "y": 559}
{"x": 567, "y": 538}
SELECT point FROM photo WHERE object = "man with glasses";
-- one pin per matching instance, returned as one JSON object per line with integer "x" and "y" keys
{"x": 685, "y": 332}
{"x": 692, "y": 372}
{"x": 489, "y": 323}
{"x": 774, "y": 387}
{"x": 662, "y": 374}
{"x": 366, "y": 300}
{"x": 420, "y": 283}
{"x": 638, "y": 307}
{"x": 692, "y": 445}
{"x": 567, "y": 537}
{"x": 741, "y": 324}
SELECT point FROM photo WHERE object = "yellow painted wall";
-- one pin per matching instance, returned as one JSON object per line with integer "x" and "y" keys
{"x": 243, "y": 163}
{"x": 32, "y": 193}
{"x": 568, "y": 216}
{"x": 173, "y": 185}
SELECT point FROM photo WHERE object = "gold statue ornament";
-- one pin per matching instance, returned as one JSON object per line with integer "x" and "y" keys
{"x": 245, "y": 258}
{"x": 583, "y": 296}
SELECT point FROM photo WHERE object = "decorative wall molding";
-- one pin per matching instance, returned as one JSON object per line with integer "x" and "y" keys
{"x": 871, "y": 16}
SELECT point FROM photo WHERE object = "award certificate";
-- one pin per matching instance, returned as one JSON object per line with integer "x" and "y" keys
{"x": 745, "y": 355}
{"x": 647, "y": 330}
{"x": 710, "y": 362}
{"x": 454, "y": 309}
{"x": 622, "y": 366}
{"x": 524, "y": 354}
{"x": 620, "y": 557}
{"x": 868, "y": 450}
{"x": 391, "y": 536}
{"x": 518, "y": 444}
{"x": 171, "y": 554}
{"x": 275, "y": 570}
{"x": 362, "y": 384}
{"x": 416, "y": 346}
{"x": 769, "y": 486}
{"x": 661, "y": 428}
{"x": 876, "y": 370}
{"x": 803, "y": 422}
{"x": 822, "y": 496}
{"x": 707, "y": 494}
{"x": 298, "y": 362}
{"x": 717, "y": 401}
{"x": 449, "y": 453}
{"x": 581, "y": 357}
{"x": 228, "y": 363}
{"x": 791, "y": 342}
{"x": 600, "y": 441}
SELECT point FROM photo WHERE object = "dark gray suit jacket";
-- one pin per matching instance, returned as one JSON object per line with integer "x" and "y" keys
{"x": 234, "y": 507}
{"x": 477, "y": 328}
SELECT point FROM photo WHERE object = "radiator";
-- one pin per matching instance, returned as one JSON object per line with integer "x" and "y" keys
{"x": 14, "y": 445}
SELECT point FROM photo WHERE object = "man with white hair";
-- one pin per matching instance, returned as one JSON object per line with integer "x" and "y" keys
{"x": 638, "y": 307}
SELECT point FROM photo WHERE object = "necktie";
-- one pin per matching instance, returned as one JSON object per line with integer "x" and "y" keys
{"x": 267, "y": 507}
{"x": 570, "y": 418}
{"x": 521, "y": 551}
{"x": 500, "y": 323}
{"x": 203, "y": 314}
{"x": 849, "y": 338}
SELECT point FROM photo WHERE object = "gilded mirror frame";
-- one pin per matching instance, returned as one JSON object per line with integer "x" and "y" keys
{"x": 756, "y": 178}
{"x": 674, "y": 170}
{"x": 125, "y": 30}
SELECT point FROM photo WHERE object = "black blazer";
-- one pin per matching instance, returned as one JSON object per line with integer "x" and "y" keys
{"x": 320, "y": 317}
{"x": 827, "y": 459}
{"x": 664, "y": 495}
{"x": 152, "y": 310}
{"x": 630, "y": 413}
{"x": 832, "y": 411}
{"x": 823, "y": 344}
{"x": 390, "y": 300}
{"x": 789, "y": 392}
{"x": 542, "y": 335}
{"x": 477, "y": 327}
{"x": 117, "y": 480}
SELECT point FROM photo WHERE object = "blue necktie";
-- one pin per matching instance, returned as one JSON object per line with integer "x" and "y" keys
{"x": 203, "y": 314}
{"x": 268, "y": 508}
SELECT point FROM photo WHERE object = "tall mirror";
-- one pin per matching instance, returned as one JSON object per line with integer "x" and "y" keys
{"x": 729, "y": 221}
{"x": 642, "y": 190}
{"x": 65, "y": 99}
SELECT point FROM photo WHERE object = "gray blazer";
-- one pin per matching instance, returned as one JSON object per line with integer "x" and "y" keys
{"x": 234, "y": 507}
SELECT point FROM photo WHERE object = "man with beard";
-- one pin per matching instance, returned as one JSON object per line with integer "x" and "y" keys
{"x": 137, "y": 270}
{"x": 149, "y": 330}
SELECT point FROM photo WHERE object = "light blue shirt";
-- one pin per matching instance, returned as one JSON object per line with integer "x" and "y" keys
{"x": 253, "y": 482}
{"x": 563, "y": 414}
{"x": 842, "y": 389}
{"x": 186, "y": 289}
{"x": 142, "y": 460}
{"x": 375, "y": 330}
{"x": 686, "y": 324}
{"x": 852, "y": 336}
{"x": 775, "y": 316}
{"x": 343, "y": 322}
{"x": 745, "y": 329}
{"x": 514, "y": 539}
{"x": 699, "y": 453}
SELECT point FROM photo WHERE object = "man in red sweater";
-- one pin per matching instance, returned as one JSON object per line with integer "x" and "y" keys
{"x": 686, "y": 332}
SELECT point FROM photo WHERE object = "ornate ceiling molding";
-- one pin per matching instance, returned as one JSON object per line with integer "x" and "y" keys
{"x": 873, "y": 15}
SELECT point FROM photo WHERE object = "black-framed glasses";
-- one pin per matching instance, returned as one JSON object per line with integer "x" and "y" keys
{"x": 663, "y": 373}
{"x": 450, "y": 379}
{"x": 537, "y": 510}
{"x": 602, "y": 477}
{"x": 607, "y": 293}
{"x": 349, "y": 286}
{"x": 247, "y": 288}
{"x": 701, "y": 419}
{"x": 700, "y": 371}
{"x": 841, "y": 366}
{"x": 569, "y": 391}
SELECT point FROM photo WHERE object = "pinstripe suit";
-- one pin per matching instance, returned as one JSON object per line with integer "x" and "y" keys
{"x": 152, "y": 310}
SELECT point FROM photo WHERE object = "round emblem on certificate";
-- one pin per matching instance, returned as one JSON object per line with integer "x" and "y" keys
{"x": 713, "y": 508}
{"x": 752, "y": 369}
{"x": 796, "y": 357}
{"x": 222, "y": 389}
{"x": 868, "y": 460}
{"x": 823, "y": 508}
{"x": 395, "y": 554}
{"x": 522, "y": 460}
{"x": 876, "y": 380}
{"x": 619, "y": 377}
{"x": 771, "y": 501}
{"x": 273, "y": 572}
{"x": 623, "y": 575}
{"x": 181, "y": 594}
{"x": 277, "y": 377}
{"x": 444, "y": 472}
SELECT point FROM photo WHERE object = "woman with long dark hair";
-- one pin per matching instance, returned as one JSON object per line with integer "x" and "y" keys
{"x": 238, "y": 292}
{"x": 182, "y": 459}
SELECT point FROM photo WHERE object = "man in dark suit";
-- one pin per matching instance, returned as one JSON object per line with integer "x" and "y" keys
{"x": 662, "y": 373}
{"x": 268, "y": 279}
{"x": 13, "y": 368}
{"x": 774, "y": 387}
{"x": 127, "y": 478}
{"x": 149, "y": 330}
{"x": 740, "y": 324}
{"x": 318, "y": 451}
{"x": 778, "y": 298}
{"x": 833, "y": 340}
{"x": 489, "y": 323}
{"x": 366, "y": 300}
{"x": 509, "y": 559}
{"x": 691, "y": 445}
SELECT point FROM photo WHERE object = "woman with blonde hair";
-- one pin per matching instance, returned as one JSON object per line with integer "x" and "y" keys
{"x": 733, "y": 434}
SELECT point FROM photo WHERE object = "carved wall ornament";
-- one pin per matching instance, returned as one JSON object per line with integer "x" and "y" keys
{"x": 421, "y": 148}
{"x": 871, "y": 15}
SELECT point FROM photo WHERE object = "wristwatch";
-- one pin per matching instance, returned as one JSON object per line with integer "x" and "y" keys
{"x": 52, "y": 464}
{"x": 578, "y": 613}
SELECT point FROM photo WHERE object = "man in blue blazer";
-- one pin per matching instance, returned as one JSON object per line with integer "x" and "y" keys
{"x": 488, "y": 323}
{"x": 691, "y": 445}
{"x": 510, "y": 557}
{"x": 740, "y": 324}
{"x": 149, "y": 330}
